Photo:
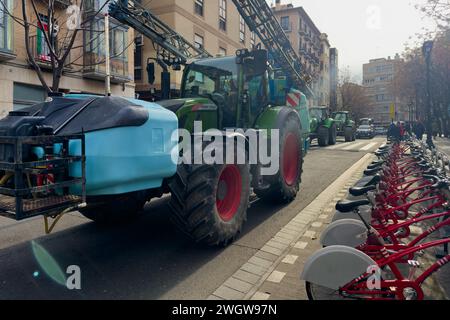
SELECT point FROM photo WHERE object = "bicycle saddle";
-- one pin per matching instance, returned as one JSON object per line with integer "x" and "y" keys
{"x": 372, "y": 172}
{"x": 374, "y": 181}
{"x": 348, "y": 206}
{"x": 375, "y": 165}
{"x": 360, "y": 191}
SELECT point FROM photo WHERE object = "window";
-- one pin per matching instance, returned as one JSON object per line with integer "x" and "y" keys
{"x": 25, "y": 95}
{"x": 285, "y": 24}
{"x": 198, "y": 41}
{"x": 241, "y": 30}
{"x": 198, "y": 7}
{"x": 222, "y": 51}
{"x": 95, "y": 47}
{"x": 6, "y": 26}
{"x": 223, "y": 15}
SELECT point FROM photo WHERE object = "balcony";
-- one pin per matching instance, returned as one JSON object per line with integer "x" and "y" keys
{"x": 41, "y": 53}
{"x": 95, "y": 69}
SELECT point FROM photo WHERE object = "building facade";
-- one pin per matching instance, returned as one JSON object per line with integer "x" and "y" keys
{"x": 378, "y": 77}
{"x": 215, "y": 25}
{"x": 323, "y": 81}
{"x": 85, "y": 67}
{"x": 312, "y": 47}
{"x": 334, "y": 79}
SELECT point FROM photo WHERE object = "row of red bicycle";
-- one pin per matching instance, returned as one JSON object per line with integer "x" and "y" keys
{"x": 369, "y": 251}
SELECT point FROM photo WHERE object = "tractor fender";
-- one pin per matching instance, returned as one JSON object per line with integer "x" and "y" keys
{"x": 284, "y": 114}
{"x": 335, "y": 266}
{"x": 365, "y": 211}
{"x": 345, "y": 232}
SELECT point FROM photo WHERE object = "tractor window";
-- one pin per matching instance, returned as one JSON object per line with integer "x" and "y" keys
{"x": 257, "y": 93}
{"x": 206, "y": 80}
{"x": 340, "y": 117}
{"x": 316, "y": 113}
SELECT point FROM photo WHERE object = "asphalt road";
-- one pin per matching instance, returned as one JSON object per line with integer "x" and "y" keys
{"x": 149, "y": 258}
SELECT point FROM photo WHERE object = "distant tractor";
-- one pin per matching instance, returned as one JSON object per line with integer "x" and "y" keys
{"x": 323, "y": 127}
{"x": 346, "y": 126}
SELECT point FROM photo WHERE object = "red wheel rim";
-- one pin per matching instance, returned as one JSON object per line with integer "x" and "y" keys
{"x": 291, "y": 159}
{"x": 228, "y": 197}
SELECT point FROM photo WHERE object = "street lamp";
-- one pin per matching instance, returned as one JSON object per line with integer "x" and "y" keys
{"x": 427, "y": 49}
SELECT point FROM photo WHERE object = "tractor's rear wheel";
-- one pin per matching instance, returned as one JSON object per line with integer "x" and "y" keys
{"x": 333, "y": 135}
{"x": 349, "y": 136}
{"x": 115, "y": 209}
{"x": 324, "y": 136}
{"x": 285, "y": 185}
{"x": 209, "y": 202}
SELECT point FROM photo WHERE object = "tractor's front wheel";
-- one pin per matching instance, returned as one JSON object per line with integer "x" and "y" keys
{"x": 349, "y": 135}
{"x": 324, "y": 137}
{"x": 209, "y": 202}
{"x": 285, "y": 185}
{"x": 333, "y": 135}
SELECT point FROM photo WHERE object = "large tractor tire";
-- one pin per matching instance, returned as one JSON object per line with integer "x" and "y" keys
{"x": 209, "y": 202}
{"x": 115, "y": 209}
{"x": 323, "y": 136}
{"x": 349, "y": 135}
{"x": 285, "y": 185}
{"x": 333, "y": 135}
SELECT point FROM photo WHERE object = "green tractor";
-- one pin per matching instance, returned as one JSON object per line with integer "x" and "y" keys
{"x": 323, "y": 127}
{"x": 210, "y": 201}
{"x": 346, "y": 126}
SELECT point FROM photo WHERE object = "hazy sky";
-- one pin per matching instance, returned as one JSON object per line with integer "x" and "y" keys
{"x": 365, "y": 29}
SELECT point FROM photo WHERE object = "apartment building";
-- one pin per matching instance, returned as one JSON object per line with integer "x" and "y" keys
{"x": 214, "y": 25}
{"x": 312, "y": 47}
{"x": 85, "y": 67}
{"x": 323, "y": 80}
{"x": 378, "y": 76}
{"x": 334, "y": 78}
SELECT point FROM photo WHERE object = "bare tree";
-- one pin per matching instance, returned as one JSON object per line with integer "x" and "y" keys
{"x": 354, "y": 97}
{"x": 57, "y": 52}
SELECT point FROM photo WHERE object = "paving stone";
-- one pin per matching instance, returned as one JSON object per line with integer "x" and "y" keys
{"x": 213, "y": 297}
{"x": 260, "y": 262}
{"x": 258, "y": 270}
{"x": 282, "y": 240}
{"x": 266, "y": 256}
{"x": 310, "y": 235}
{"x": 317, "y": 224}
{"x": 281, "y": 246}
{"x": 246, "y": 276}
{"x": 301, "y": 245}
{"x": 238, "y": 285}
{"x": 260, "y": 296}
{"x": 228, "y": 293}
{"x": 276, "y": 276}
{"x": 290, "y": 259}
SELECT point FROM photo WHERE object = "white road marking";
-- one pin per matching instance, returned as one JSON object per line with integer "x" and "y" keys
{"x": 353, "y": 146}
{"x": 369, "y": 146}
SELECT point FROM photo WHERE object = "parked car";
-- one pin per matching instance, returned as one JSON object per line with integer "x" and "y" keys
{"x": 365, "y": 131}
{"x": 380, "y": 131}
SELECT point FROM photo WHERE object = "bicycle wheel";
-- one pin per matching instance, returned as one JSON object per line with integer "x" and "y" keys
{"x": 316, "y": 292}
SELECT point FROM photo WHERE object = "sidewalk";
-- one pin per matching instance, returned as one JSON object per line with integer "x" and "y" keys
{"x": 274, "y": 272}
